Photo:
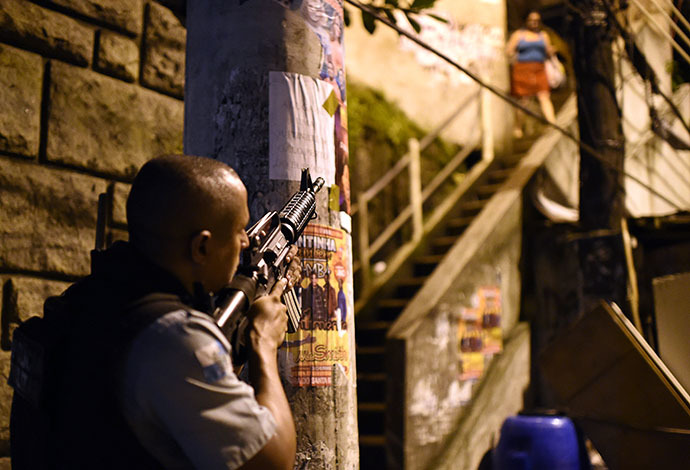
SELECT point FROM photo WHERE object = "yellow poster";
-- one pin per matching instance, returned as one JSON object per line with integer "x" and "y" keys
{"x": 322, "y": 340}
{"x": 480, "y": 335}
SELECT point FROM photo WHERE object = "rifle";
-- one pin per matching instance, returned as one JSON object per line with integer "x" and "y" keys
{"x": 263, "y": 264}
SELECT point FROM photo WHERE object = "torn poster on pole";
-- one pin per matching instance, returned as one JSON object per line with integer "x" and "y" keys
{"x": 301, "y": 127}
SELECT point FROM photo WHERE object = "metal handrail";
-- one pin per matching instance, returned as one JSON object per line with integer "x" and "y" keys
{"x": 404, "y": 161}
{"x": 418, "y": 194}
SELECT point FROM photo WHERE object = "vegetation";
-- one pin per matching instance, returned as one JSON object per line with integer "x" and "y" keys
{"x": 378, "y": 134}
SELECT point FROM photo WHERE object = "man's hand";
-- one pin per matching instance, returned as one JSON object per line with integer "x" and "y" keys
{"x": 294, "y": 271}
{"x": 268, "y": 326}
{"x": 268, "y": 318}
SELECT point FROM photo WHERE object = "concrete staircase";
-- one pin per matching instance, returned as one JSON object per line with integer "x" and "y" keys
{"x": 380, "y": 313}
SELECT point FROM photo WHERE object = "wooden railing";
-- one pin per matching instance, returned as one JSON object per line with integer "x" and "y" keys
{"x": 419, "y": 193}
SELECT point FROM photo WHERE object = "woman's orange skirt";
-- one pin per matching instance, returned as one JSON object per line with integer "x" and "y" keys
{"x": 528, "y": 78}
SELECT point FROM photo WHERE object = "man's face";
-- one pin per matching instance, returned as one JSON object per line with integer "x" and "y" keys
{"x": 227, "y": 242}
{"x": 314, "y": 280}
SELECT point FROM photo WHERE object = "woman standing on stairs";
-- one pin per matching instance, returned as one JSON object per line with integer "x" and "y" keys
{"x": 528, "y": 48}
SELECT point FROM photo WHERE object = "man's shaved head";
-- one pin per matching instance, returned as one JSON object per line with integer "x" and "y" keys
{"x": 174, "y": 197}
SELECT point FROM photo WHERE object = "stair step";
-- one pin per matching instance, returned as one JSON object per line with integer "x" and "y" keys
{"x": 393, "y": 303}
{"x": 371, "y": 387}
{"x": 370, "y": 440}
{"x": 378, "y": 378}
{"x": 428, "y": 259}
{"x": 372, "y": 417}
{"x": 376, "y": 407}
{"x": 390, "y": 309}
{"x": 441, "y": 245}
{"x": 457, "y": 225}
{"x": 425, "y": 265}
{"x": 407, "y": 288}
{"x": 372, "y": 452}
{"x": 523, "y": 145}
{"x": 470, "y": 206}
{"x": 489, "y": 189}
{"x": 371, "y": 359}
{"x": 372, "y": 333}
{"x": 500, "y": 174}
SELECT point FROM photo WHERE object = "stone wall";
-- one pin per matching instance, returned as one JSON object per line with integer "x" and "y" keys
{"x": 89, "y": 91}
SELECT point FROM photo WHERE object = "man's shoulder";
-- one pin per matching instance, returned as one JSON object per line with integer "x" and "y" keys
{"x": 180, "y": 329}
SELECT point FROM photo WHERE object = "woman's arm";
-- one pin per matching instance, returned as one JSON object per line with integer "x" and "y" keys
{"x": 511, "y": 47}
{"x": 550, "y": 50}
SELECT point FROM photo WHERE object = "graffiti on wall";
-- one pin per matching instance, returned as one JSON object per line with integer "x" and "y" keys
{"x": 473, "y": 46}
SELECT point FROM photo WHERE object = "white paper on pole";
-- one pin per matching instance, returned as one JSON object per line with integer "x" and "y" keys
{"x": 301, "y": 130}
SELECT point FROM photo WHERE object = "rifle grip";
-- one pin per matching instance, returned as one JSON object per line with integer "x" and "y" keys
{"x": 294, "y": 311}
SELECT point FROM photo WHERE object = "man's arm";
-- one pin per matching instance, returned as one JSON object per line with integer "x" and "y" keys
{"x": 268, "y": 327}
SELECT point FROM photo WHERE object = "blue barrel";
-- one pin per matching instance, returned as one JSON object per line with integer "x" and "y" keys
{"x": 537, "y": 442}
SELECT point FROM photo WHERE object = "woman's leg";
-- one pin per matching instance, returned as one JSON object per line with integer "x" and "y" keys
{"x": 544, "y": 98}
{"x": 519, "y": 128}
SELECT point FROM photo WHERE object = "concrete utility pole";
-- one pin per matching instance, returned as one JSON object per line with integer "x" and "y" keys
{"x": 265, "y": 93}
{"x": 602, "y": 201}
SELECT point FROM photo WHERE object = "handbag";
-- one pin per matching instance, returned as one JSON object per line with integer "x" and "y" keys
{"x": 555, "y": 72}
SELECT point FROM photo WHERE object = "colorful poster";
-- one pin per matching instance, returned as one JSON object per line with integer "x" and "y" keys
{"x": 471, "y": 342}
{"x": 322, "y": 340}
{"x": 479, "y": 332}
{"x": 325, "y": 18}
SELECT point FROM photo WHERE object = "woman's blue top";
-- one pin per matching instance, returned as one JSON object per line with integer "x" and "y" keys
{"x": 531, "y": 51}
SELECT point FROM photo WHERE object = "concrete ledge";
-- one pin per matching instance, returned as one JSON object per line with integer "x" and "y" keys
{"x": 499, "y": 395}
{"x": 462, "y": 253}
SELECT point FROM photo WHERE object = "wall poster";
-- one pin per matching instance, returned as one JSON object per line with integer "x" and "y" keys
{"x": 479, "y": 332}
{"x": 322, "y": 340}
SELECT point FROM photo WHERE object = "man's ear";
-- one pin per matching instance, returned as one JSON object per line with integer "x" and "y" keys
{"x": 199, "y": 246}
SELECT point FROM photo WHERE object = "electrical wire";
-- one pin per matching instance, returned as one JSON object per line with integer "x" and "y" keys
{"x": 673, "y": 24}
{"x": 663, "y": 32}
{"x": 640, "y": 63}
{"x": 504, "y": 96}
{"x": 678, "y": 14}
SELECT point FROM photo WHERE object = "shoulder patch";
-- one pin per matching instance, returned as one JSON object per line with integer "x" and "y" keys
{"x": 214, "y": 360}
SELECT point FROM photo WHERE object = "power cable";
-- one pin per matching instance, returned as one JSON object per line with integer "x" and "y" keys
{"x": 661, "y": 31}
{"x": 588, "y": 148}
{"x": 640, "y": 63}
{"x": 673, "y": 24}
{"x": 678, "y": 14}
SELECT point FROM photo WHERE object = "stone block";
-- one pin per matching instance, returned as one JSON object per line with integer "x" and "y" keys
{"x": 5, "y": 405}
{"x": 120, "y": 203}
{"x": 164, "y": 54}
{"x": 24, "y": 297}
{"x": 123, "y": 14}
{"x": 29, "y": 26}
{"x": 117, "y": 235}
{"x": 32, "y": 292}
{"x": 5, "y": 463}
{"x": 107, "y": 126}
{"x": 21, "y": 77}
{"x": 178, "y": 6}
{"x": 47, "y": 218}
{"x": 117, "y": 56}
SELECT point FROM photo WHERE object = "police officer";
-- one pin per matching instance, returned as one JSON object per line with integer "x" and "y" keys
{"x": 144, "y": 376}
{"x": 188, "y": 215}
